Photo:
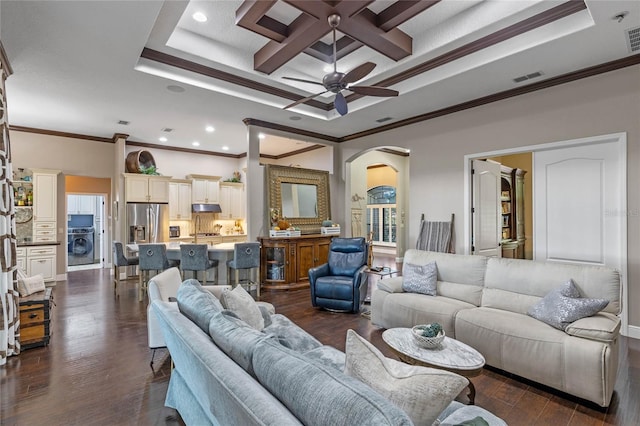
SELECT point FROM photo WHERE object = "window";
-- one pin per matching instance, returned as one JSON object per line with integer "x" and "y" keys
{"x": 381, "y": 215}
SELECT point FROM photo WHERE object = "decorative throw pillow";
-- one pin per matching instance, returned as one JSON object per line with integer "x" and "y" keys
{"x": 30, "y": 285}
{"x": 242, "y": 304}
{"x": 421, "y": 392}
{"x": 564, "y": 305}
{"x": 420, "y": 278}
{"x": 197, "y": 304}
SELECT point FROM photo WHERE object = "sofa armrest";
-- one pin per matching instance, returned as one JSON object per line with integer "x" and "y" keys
{"x": 391, "y": 285}
{"x": 603, "y": 327}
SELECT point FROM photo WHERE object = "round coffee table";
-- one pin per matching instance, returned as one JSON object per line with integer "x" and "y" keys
{"x": 452, "y": 355}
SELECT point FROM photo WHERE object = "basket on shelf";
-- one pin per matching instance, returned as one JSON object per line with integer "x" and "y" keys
{"x": 424, "y": 341}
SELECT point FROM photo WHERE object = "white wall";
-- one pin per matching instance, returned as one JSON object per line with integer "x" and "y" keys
{"x": 178, "y": 164}
{"x": 318, "y": 159}
{"x": 73, "y": 156}
{"x": 603, "y": 104}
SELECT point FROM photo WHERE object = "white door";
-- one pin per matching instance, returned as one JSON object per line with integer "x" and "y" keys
{"x": 486, "y": 209}
{"x": 578, "y": 205}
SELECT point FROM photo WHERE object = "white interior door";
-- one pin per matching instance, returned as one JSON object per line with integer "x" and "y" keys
{"x": 578, "y": 204}
{"x": 486, "y": 209}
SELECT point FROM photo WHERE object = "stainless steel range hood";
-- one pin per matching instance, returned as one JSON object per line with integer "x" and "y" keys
{"x": 206, "y": 208}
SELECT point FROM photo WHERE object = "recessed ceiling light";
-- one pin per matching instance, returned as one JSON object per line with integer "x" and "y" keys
{"x": 162, "y": 139}
{"x": 225, "y": 148}
{"x": 210, "y": 129}
{"x": 175, "y": 89}
{"x": 261, "y": 136}
{"x": 199, "y": 17}
{"x": 196, "y": 143}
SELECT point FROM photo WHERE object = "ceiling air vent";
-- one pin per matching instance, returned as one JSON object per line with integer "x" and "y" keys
{"x": 167, "y": 129}
{"x": 123, "y": 122}
{"x": 382, "y": 120}
{"x": 526, "y": 77}
{"x": 633, "y": 39}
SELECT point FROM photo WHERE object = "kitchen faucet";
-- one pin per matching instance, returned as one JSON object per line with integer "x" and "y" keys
{"x": 197, "y": 227}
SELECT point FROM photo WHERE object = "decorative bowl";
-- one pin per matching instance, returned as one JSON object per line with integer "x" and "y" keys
{"x": 426, "y": 342}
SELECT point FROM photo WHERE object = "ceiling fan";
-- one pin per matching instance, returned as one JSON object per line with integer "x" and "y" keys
{"x": 337, "y": 81}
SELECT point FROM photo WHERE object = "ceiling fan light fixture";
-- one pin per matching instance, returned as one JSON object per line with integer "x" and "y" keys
{"x": 334, "y": 81}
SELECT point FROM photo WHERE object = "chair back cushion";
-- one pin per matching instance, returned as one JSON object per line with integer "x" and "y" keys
{"x": 194, "y": 257}
{"x": 245, "y": 256}
{"x": 118, "y": 254}
{"x": 347, "y": 255}
{"x": 153, "y": 257}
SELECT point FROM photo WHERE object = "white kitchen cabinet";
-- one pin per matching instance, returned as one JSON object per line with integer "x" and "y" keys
{"x": 205, "y": 189}
{"x": 21, "y": 258}
{"x": 42, "y": 260}
{"x": 232, "y": 200}
{"x": 45, "y": 195}
{"x": 45, "y": 190}
{"x": 146, "y": 189}
{"x": 81, "y": 204}
{"x": 179, "y": 200}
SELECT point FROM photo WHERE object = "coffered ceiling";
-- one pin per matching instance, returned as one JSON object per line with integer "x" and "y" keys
{"x": 84, "y": 66}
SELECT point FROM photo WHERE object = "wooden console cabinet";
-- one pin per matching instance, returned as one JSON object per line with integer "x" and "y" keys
{"x": 285, "y": 261}
{"x": 35, "y": 319}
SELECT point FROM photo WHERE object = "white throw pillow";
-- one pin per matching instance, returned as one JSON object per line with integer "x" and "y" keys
{"x": 421, "y": 279}
{"x": 30, "y": 285}
{"x": 242, "y": 304}
{"x": 421, "y": 392}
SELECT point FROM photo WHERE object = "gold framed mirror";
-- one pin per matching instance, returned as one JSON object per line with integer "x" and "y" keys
{"x": 301, "y": 196}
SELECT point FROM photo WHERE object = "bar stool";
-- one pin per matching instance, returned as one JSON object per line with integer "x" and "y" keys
{"x": 195, "y": 257}
{"x": 245, "y": 256}
{"x": 152, "y": 257}
{"x": 119, "y": 259}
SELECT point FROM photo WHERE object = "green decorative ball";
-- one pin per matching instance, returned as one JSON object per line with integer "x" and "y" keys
{"x": 432, "y": 329}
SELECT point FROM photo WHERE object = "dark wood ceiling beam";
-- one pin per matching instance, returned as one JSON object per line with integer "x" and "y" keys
{"x": 393, "y": 44}
{"x": 322, "y": 9}
{"x": 401, "y": 11}
{"x": 251, "y": 15}
{"x": 303, "y": 32}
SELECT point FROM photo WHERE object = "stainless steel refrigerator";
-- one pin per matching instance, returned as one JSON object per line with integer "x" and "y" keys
{"x": 147, "y": 223}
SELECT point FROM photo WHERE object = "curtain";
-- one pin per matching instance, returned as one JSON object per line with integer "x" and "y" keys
{"x": 9, "y": 314}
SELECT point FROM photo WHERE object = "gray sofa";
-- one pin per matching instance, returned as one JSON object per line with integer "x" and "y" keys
{"x": 483, "y": 302}
{"x": 233, "y": 374}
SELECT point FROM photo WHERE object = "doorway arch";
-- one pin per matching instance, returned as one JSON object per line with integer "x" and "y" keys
{"x": 355, "y": 193}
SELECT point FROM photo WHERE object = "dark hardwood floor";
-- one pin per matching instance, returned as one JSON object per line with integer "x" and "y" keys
{"x": 96, "y": 369}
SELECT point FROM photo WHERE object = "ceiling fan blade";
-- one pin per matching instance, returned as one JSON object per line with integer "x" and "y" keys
{"x": 303, "y": 100}
{"x": 373, "y": 91}
{"x": 303, "y": 80}
{"x": 358, "y": 72}
{"x": 341, "y": 104}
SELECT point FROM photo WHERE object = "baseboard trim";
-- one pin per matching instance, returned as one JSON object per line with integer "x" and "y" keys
{"x": 633, "y": 332}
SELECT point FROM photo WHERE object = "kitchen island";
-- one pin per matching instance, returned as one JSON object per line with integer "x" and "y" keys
{"x": 222, "y": 252}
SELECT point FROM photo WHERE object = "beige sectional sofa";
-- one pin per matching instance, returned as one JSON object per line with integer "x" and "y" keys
{"x": 483, "y": 302}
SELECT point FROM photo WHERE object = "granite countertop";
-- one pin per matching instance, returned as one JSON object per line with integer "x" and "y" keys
{"x": 22, "y": 243}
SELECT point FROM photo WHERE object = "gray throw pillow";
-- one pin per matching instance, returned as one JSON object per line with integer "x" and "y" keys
{"x": 564, "y": 305}
{"x": 197, "y": 304}
{"x": 420, "y": 278}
